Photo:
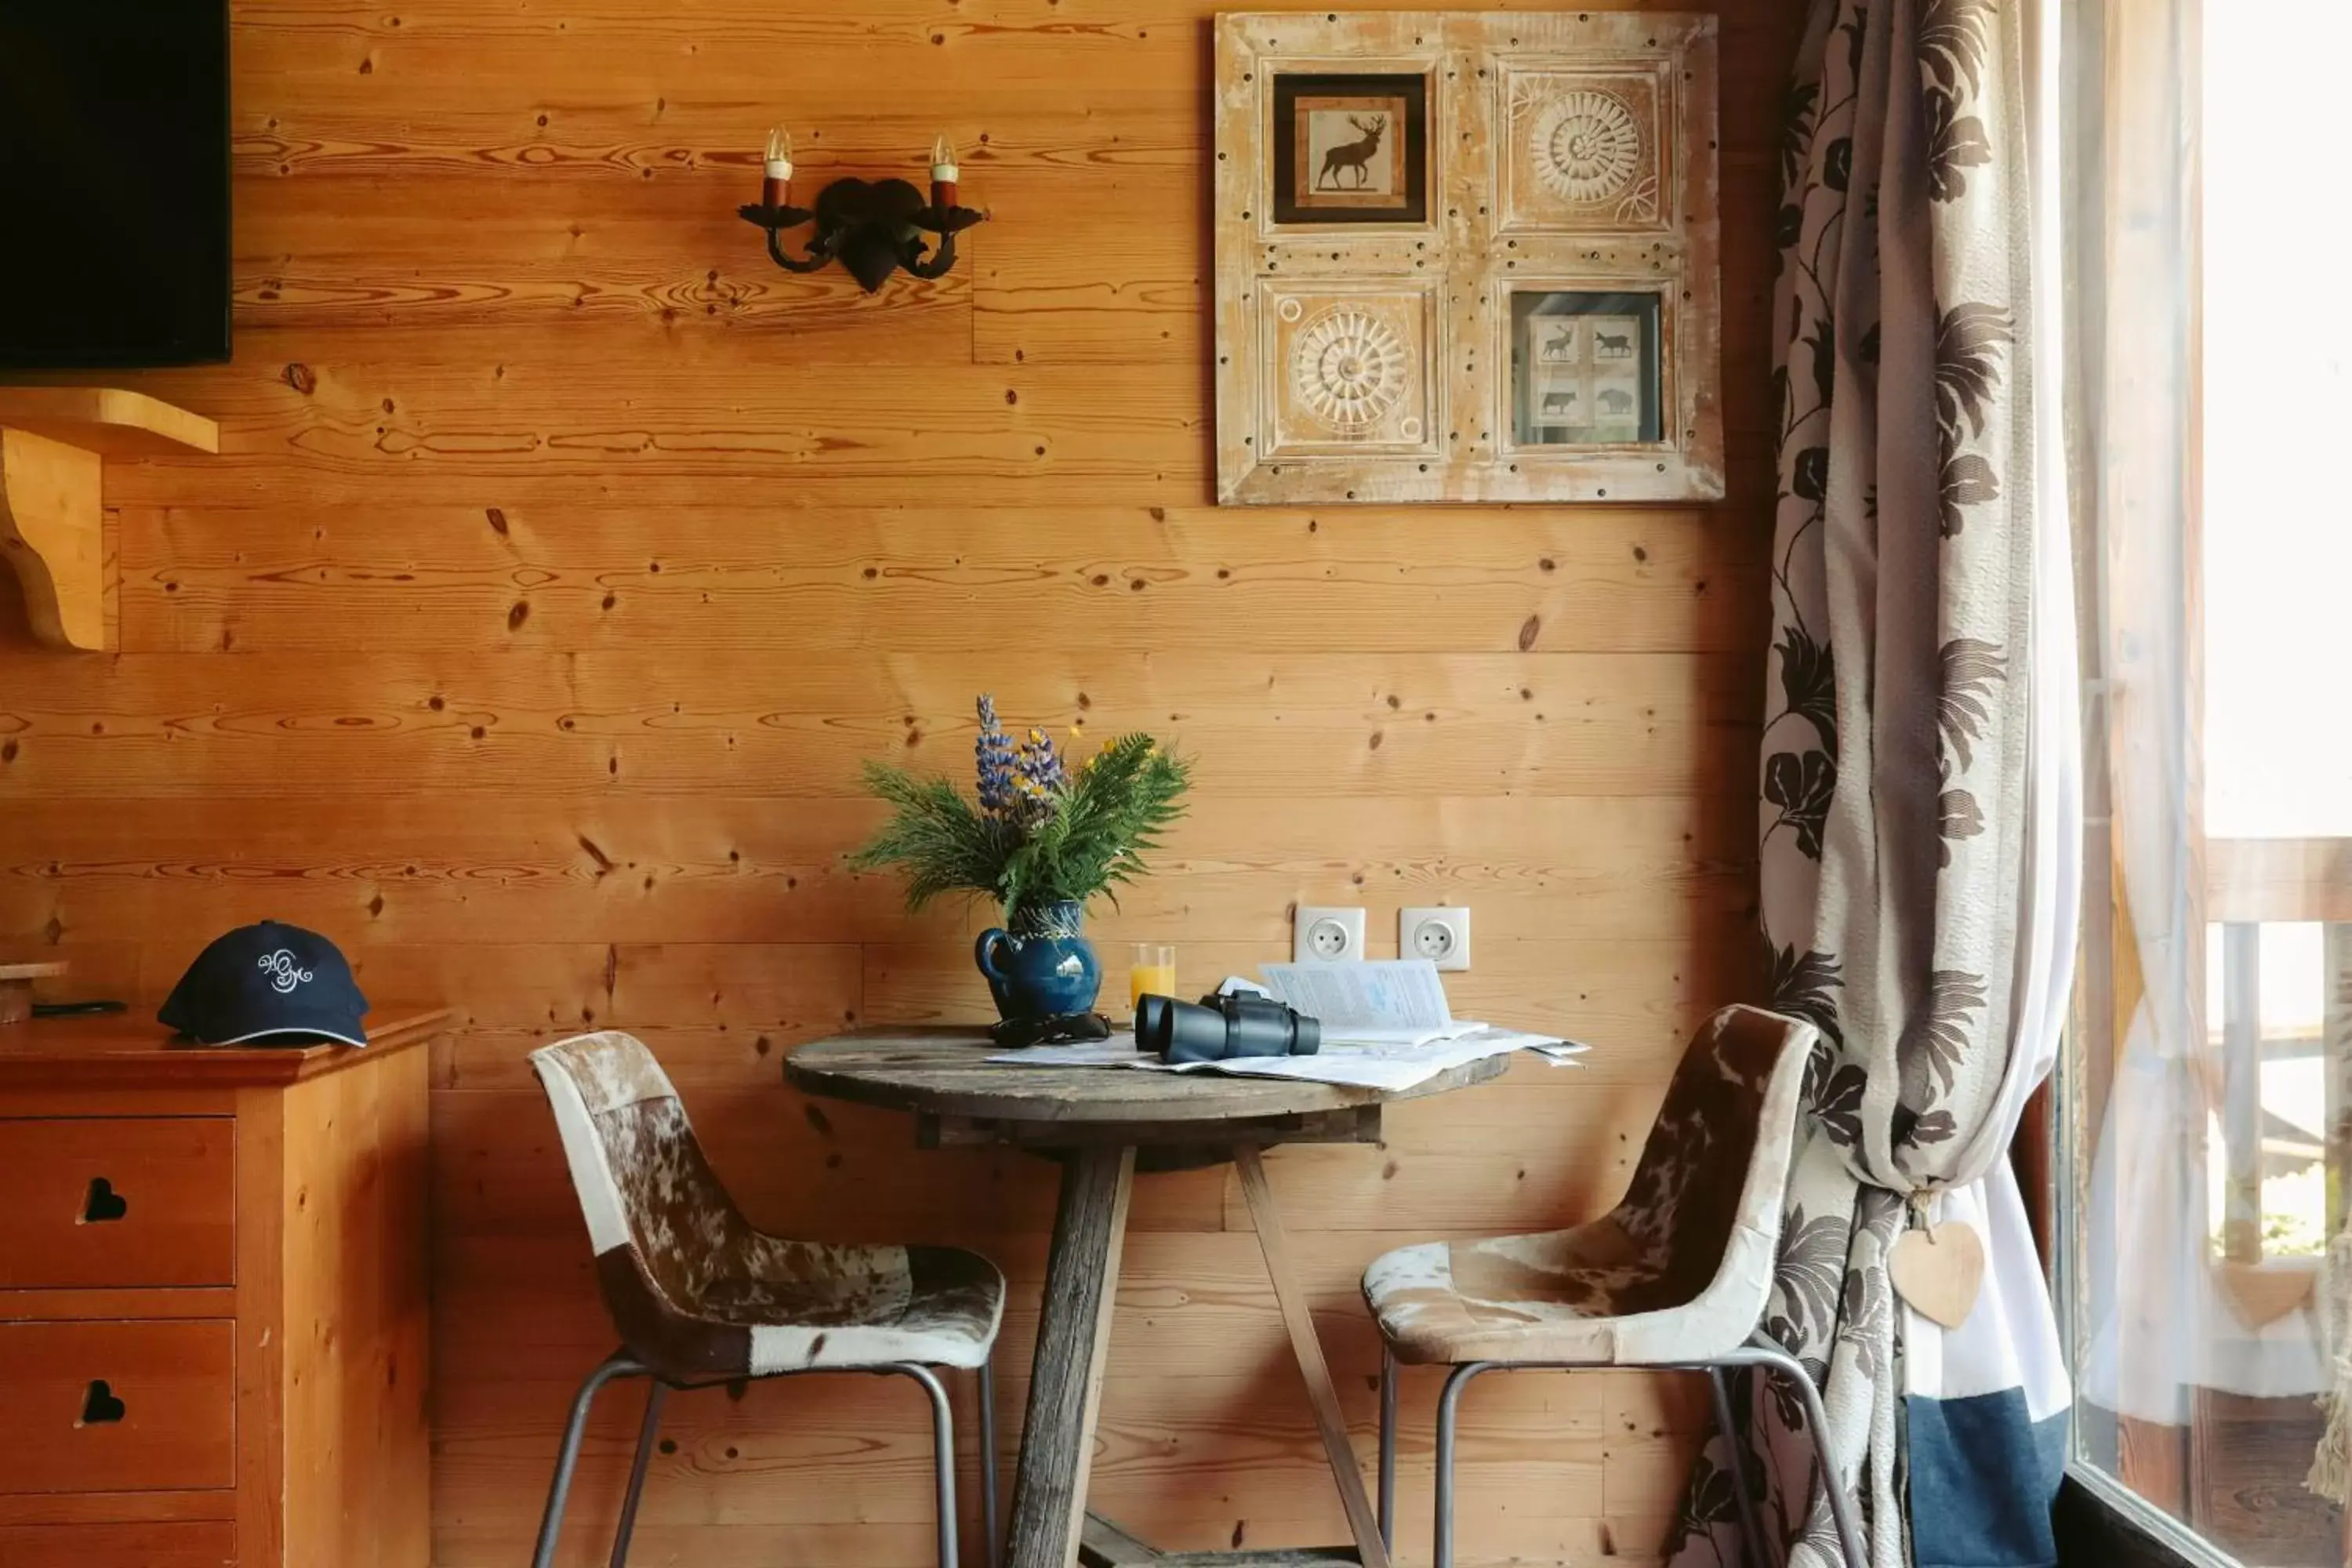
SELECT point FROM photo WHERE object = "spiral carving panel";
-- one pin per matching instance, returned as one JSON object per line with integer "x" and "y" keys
{"x": 1587, "y": 146}
{"x": 1584, "y": 151}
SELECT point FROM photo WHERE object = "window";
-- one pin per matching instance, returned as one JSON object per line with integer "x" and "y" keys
{"x": 2206, "y": 1126}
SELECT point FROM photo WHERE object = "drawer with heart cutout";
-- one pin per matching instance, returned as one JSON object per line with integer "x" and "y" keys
{"x": 103, "y": 1202}
{"x": 119, "y": 1406}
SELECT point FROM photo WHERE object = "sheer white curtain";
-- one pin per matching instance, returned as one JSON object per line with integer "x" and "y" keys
{"x": 2214, "y": 574}
{"x": 2134, "y": 409}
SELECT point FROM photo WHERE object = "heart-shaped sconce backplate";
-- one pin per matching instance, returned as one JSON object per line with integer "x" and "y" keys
{"x": 104, "y": 1204}
{"x": 1939, "y": 1270}
{"x": 100, "y": 1405}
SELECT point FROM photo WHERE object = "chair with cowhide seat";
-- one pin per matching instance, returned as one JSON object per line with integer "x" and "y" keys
{"x": 700, "y": 1297}
{"x": 1676, "y": 1277}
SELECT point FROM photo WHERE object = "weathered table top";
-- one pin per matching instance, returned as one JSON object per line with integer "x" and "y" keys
{"x": 946, "y": 1072}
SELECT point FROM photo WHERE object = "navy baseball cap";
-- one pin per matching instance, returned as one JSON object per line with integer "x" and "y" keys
{"x": 271, "y": 983}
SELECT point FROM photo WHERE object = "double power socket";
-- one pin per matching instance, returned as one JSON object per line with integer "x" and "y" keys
{"x": 1328, "y": 935}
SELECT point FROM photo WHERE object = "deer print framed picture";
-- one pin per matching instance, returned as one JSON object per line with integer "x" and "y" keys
{"x": 1466, "y": 257}
{"x": 1351, "y": 148}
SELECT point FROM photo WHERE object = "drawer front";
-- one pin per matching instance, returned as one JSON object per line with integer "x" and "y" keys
{"x": 179, "y": 1543}
{"x": 118, "y": 1407}
{"x": 118, "y": 1201}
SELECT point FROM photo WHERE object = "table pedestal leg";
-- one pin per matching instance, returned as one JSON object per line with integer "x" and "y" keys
{"x": 1049, "y": 1488}
{"x": 1321, "y": 1392}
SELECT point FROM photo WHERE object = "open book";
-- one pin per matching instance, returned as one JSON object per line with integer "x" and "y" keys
{"x": 1385, "y": 1002}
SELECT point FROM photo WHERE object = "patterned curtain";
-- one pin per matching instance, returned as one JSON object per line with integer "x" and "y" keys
{"x": 1903, "y": 826}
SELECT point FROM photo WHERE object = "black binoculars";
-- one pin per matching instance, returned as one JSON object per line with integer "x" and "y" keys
{"x": 1216, "y": 1028}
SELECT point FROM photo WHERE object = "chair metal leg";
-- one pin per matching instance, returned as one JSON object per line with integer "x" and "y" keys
{"x": 989, "y": 1508}
{"x": 942, "y": 1452}
{"x": 567, "y": 1454}
{"x": 1749, "y": 1529}
{"x": 1388, "y": 1448}
{"x": 1841, "y": 1505}
{"x": 655, "y": 1392}
{"x": 1766, "y": 1360}
{"x": 1817, "y": 1423}
{"x": 1448, "y": 1404}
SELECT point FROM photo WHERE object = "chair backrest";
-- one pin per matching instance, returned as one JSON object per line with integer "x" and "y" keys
{"x": 646, "y": 1189}
{"x": 1709, "y": 1192}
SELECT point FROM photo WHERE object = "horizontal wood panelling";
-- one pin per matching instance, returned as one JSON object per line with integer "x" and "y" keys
{"x": 564, "y": 560}
{"x": 1165, "y": 579}
{"x": 596, "y": 722}
{"x": 482, "y": 868}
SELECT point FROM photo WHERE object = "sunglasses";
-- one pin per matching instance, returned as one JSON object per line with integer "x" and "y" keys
{"x": 1063, "y": 1028}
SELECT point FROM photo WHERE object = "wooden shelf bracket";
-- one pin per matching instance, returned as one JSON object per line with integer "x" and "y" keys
{"x": 53, "y": 441}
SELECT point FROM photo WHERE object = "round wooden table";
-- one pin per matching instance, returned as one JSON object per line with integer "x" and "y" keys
{"x": 1102, "y": 1121}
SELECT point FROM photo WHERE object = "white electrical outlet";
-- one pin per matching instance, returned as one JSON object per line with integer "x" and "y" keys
{"x": 1327, "y": 935}
{"x": 1439, "y": 935}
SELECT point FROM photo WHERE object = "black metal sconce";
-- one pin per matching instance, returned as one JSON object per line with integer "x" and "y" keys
{"x": 872, "y": 227}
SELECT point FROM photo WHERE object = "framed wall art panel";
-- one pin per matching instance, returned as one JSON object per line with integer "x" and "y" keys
{"x": 1466, "y": 257}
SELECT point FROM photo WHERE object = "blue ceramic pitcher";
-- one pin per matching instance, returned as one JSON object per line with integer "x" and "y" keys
{"x": 1044, "y": 967}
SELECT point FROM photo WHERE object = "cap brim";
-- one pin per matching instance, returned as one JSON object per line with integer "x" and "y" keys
{"x": 338, "y": 1036}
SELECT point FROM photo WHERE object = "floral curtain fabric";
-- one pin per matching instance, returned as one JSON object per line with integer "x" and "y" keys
{"x": 1906, "y": 832}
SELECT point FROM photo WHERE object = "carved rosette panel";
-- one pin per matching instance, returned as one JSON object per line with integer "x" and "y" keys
{"x": 1584, "y": 150}
{"x": 1347, "y": 370}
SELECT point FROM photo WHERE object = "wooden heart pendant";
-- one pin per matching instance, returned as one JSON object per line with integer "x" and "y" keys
{"x": 1938, "y": 1270}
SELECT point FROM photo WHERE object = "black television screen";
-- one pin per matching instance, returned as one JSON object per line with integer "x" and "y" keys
{"x": 114, "y": 183}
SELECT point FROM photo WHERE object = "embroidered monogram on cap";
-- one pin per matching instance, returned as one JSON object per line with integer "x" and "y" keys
{"x": 284, "y": 973}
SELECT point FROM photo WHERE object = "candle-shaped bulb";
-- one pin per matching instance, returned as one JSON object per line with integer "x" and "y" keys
{"x": 776, "y": 186}
{"x": 943, "y": 172}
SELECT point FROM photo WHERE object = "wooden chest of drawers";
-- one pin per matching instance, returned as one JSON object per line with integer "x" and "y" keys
{"x": 212, "y": 1299}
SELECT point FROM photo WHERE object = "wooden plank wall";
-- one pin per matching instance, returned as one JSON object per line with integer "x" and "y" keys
{"x": 563, "y": 558}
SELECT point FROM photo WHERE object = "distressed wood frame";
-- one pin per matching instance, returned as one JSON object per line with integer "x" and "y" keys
{"x": 1434, "y": 297}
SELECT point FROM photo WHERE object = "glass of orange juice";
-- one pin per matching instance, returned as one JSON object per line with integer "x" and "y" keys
{"x": 1152, "y": 973}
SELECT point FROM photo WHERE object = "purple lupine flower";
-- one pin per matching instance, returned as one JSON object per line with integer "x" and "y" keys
{"x": 993, "y": 758}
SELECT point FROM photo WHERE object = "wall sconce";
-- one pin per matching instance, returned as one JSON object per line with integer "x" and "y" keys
{"x": 871, "y": 228}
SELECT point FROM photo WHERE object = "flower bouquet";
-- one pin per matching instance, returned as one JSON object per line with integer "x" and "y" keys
{"x": 1040, "y": 839}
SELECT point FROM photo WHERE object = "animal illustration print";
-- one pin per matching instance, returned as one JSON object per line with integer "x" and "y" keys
{"x": 1354, "y": 157}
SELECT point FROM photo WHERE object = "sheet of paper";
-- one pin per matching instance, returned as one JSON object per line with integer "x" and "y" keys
{"x": 1385, "y": 1002}
{"x": 1118, "y": 1051}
